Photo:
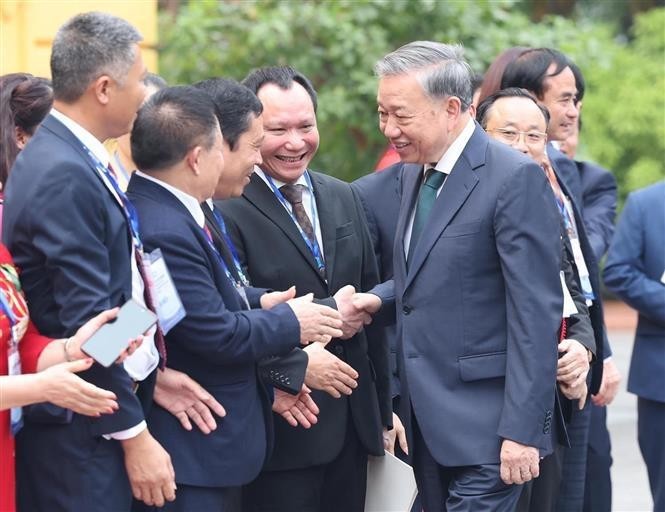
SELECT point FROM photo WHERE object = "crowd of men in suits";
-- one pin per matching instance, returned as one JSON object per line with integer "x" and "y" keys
{"x": 451, "y": 301}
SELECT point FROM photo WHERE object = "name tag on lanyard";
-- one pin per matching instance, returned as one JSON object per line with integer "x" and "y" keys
{"x": 166, "y": 299}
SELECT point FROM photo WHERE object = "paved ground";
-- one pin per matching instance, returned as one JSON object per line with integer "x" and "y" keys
{"x": 630, "y": 485}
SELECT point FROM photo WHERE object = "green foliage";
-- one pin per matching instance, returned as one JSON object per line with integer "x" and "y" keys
{"x": 624, "y": 108}
{"x": 336, "y": 43}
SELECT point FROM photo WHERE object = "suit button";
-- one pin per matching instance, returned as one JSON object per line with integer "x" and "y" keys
{"x": 338, "y": 350}
{"x": 406, "y": 309}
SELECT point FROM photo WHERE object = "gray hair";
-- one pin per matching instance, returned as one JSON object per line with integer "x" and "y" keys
{"x": 439, "y": 68}
{"x": 88, "y": 46}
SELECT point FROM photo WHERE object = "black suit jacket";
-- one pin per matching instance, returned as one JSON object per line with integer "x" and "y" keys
{"x": 275, "y": 256}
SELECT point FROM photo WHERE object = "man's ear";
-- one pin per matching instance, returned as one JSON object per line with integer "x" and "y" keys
{"x": 193, "y": 159}
{"x": 21, "y": 137}
{"x": 453, "y": 106}
{"x": 102, "y": 87}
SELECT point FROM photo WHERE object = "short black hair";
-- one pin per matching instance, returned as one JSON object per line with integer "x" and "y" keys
{"x": 281, "y": 76}
{"x": 169, "y": 124}
{"x": 235, "y": 104}
{"x": 530, "y": 69}
{"x": 485, "y": 106}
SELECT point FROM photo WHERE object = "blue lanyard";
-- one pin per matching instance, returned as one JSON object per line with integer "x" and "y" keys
{"x": 127, "y": 207}
{"x": 229, "y": 243}
{"x": 219, "y": 257}
{"x": 7, "y": 310}
{"x": 120, "y": 166}
{"x": 312, "y": 245}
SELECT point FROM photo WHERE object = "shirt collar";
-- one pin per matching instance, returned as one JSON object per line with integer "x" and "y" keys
{"x": 300, "y": 181}
{"x": 190, "y": 202}
{"x": 450, "y": 157}
{"x": 83, "y": 135}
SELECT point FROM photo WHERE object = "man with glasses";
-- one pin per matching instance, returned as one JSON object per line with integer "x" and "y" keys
{"x": 514, "y": 117}
{"x": 557, "y": 84}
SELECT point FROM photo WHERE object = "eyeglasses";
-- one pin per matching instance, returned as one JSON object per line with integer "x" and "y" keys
{"x": 512, "y": 136}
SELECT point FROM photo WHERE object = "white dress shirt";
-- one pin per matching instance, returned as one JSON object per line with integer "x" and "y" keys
{"x": 445, "y": 165}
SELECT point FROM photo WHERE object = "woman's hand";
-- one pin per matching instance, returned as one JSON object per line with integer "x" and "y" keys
{"x": 62, "y": 387}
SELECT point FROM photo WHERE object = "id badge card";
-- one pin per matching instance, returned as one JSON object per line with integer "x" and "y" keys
{"x": 168, "y": 305}
{"x": 569, "y": 308}
{"x": 579, "y": 258}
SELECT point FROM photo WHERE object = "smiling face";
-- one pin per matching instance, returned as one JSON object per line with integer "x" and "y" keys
{"x": 291, "y": 136}
{"x": 239, "y": 163}
{"x": 560, "y": 98}
{"x": 519, "y": 123}
{"x": 417, "y": 126}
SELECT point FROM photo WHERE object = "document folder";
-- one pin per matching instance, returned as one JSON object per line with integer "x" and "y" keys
{"x": 391, "y": 486}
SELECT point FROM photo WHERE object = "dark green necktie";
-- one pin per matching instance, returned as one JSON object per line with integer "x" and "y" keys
{"x": 426, "y": 197}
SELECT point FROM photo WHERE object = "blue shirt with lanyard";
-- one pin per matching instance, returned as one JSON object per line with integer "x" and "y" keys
{"x": 312, "y": 245}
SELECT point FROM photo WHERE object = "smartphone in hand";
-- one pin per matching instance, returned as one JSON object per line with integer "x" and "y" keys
{"x": 112, "y": 338}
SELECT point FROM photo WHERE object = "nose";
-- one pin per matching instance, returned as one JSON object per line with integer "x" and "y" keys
{"x": 294, "y": 141}
{"x": 390, "y": 128}
{"x": 573, "y": 109}
{"x": 520, "y": 143}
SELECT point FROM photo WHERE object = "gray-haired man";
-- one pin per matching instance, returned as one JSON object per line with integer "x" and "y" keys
{"x": 476, "y": 289}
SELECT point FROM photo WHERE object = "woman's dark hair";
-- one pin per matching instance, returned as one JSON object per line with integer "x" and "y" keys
{"x": 25, "y": 101}
{"x": 492, "y": 79}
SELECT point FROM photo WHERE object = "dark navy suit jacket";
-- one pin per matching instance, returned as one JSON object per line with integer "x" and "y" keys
{"x": 599, "y": 203}
{"x": 479, "y": 308}
{"x": 380, "y": 194}
{"x": 70, "y": 240}
{"x": 634, "y": 270}
{"x": 217, "y": 344}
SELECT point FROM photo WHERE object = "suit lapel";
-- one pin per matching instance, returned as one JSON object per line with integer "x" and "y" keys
{"x": 264, "y": 200}
{"x": 326, "y": 221}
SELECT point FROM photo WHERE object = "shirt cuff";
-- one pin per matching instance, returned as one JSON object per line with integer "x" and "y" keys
{"x": 127, "y": 434}
{"x": 608, "y": 358}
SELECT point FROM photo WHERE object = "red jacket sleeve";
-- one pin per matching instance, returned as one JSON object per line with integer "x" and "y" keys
{"x": 30, "y": 347}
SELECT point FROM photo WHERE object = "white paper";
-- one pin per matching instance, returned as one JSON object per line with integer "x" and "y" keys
{"x": 569, "y": 308}
{"x": 391, "y": 485}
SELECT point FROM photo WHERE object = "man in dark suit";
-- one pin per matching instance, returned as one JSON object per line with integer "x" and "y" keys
{"x": 177, "y": 145}
{"x": 558, "y": 85}
{"x": 311, "y": 234}
{"x": 475, "y": 327}
{"x": 514, "y": 117}
{"x": 599, "y": 199}
{"x": 635, "y": 271}
{"x": 239, "y": 113}
{"x": 69, "y": 230}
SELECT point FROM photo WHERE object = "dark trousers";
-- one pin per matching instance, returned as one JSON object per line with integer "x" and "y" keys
{"x": 651, "y": 438}
{"x": 540, "y": 494}
{"x": 459, "y": 489}
{"x": 571, "y": 493}
{"x": 334, "y": 487}
{"x": 598, "y": 486}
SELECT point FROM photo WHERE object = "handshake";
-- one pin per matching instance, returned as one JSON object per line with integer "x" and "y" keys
{"x": 321, "y": 323}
